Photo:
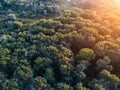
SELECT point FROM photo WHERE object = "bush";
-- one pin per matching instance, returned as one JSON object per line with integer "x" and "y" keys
{"x": 11, "y": 17}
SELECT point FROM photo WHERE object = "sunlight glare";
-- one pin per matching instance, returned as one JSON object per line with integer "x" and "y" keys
{"x": 117, "y": 1}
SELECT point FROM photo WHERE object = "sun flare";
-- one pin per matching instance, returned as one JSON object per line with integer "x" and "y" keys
{"x": 117, "y": 0}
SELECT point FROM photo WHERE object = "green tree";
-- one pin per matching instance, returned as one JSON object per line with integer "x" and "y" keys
{"x": 80, "y": 86}
{"x": 105, "y": 81}
{"x": 41, "y": 84}
{"x": 63, "y": 86}
{"x": 66, "y": 73}
{"x": 104, "y": 63}
{"x": 41, "y": 64}
{"x": 86, "y": 54}
{"x": 79, "y": 74}
{"x": 110, "y": 49}
{"x": 24, "y": 74}
{"x": 49, "y": 76}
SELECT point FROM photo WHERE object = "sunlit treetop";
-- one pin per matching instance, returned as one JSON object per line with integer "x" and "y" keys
{"x": 101, "y": 5}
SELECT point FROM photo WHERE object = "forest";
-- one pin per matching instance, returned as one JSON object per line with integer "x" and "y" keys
{"x": 46, "y": 47}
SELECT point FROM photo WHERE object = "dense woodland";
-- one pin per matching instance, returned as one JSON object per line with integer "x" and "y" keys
{"x": 72, "y": 50}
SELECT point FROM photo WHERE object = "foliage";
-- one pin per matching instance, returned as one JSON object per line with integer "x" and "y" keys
{"x": 76, "y": 50}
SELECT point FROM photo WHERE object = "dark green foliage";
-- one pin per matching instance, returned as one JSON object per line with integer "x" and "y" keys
{"x": 63, "y": 86}
{"x": 41, "y": 84}
{"x": 41, "y": 64}
{"x": 80, "y": 86}
{"x": 77, "y": 50}
{"x": 105, "y": 81}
